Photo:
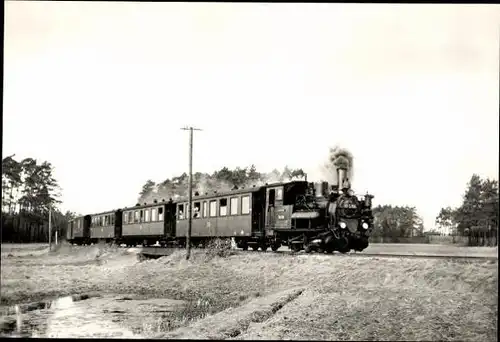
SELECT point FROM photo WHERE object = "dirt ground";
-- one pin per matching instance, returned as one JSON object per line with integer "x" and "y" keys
{"x": 430, "y": 249}
{"x": 271, "y": 296}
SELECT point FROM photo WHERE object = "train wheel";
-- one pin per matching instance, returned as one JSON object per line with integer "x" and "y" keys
{"x": 295, "y": 247}
{"x": 308, "y": 249}
{"x": 263, "y": 247}
{"x": 244, "y": 247}
{"x": 320, "y": 250}
{"x": 275, "y": 247}
{"x": 255, "y": 248}
{"x": 344, "y": 249}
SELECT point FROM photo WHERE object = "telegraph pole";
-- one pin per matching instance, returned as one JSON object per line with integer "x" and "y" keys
{"x": 190, "y": 190}
{"x": 50, "y": 227}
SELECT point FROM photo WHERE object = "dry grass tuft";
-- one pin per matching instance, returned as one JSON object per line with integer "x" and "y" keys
{"x": 219, "y": 248}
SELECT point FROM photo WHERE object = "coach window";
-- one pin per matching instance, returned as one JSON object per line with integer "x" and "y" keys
{"x": 223, "y": 207}
{"x": 234, "y": 206}
{"x": 78, "y": 224}
{"x": 279, "y": 194}
{"x": 196, "y": 209}
{"x": 112, "y": 217}
{"x": 106, "y": 220}
{"x": 136, "y": 216}
{"x": 154, "y": 215}
{"x": 213, "y": 208}
{"x": 245, "y": 205}
{"x": 146, "y": 215}
{"x": 160, "y": 214}
{"x": 180, "y": 211}
{"x": 205, "y": 209}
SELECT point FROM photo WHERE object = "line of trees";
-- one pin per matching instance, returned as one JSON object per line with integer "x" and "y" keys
{"x": 29, "y": 190}
{"x": 477, "y": 216}
{"x": 222, "y": 180}
{"x": 396, "y": 224}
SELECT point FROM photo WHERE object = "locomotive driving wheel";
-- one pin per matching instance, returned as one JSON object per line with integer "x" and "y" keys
{"x": 275, "y": 247}
{"x": 295, "y": 247}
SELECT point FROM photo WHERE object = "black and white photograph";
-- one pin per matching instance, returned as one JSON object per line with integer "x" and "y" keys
{"x": 250, "y": 171}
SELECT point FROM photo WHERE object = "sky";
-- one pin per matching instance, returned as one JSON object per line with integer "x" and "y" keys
{"x": 102, "y": 89}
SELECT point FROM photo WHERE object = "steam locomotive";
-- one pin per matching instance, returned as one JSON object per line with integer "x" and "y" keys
{"x": 298, "y": 214}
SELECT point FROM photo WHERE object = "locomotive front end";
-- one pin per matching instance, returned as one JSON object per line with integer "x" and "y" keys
{"x": 351, "y": 217}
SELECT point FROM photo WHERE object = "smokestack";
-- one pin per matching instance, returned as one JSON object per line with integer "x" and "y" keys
{"x": 341, "y": 177}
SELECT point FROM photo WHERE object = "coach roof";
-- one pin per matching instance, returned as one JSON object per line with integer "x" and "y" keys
{"x": 216, "y": 194}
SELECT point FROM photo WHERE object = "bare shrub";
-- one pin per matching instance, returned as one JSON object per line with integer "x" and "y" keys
{"x": 219, "y": 248}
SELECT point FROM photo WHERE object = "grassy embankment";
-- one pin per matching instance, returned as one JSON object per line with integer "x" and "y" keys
{"x": 275, "y": 296}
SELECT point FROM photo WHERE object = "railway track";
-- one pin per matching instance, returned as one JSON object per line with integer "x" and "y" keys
{"x": 157, "y": 252}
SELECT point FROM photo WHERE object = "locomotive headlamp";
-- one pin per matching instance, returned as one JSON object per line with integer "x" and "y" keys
{"x": 342, "y": 225}
{"x": 365, "y": 225}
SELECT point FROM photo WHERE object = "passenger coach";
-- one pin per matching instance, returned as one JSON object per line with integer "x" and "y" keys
{"x": 237, "y": 213}
{"x": 105, "y": 226}
{"x": 146, "y": 224}
{"x": 79, "y": 230}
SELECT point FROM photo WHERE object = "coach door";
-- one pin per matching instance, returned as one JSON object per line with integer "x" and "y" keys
{"x": 118, "y": 216}
{"x": 170, "y": 210}
{"x": 274, "y": 199}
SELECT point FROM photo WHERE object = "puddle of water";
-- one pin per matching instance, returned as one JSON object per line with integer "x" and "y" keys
{"x": 103, "y": 317}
